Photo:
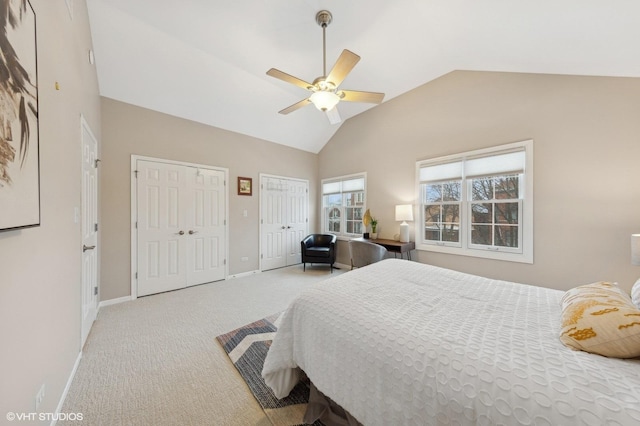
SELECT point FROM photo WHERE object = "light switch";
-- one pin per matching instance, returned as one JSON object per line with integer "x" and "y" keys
{"x": 245, "y": 213}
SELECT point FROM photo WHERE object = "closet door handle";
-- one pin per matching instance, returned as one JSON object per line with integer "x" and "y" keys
{"x": 180, "y": 233}
{"x": 191, "y": 232}
{"x": 85, "y": 248}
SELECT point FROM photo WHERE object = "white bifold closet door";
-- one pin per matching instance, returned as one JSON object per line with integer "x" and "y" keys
{"x": 181, "y": 226}
{"x": 284, "y": 221}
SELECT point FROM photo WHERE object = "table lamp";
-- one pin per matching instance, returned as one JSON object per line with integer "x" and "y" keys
{"x": 404, "y": 212}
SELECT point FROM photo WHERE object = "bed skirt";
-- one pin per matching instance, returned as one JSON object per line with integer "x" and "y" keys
{"x": 327, "y": 411}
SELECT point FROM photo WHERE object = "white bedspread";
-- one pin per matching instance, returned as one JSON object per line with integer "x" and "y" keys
{"x": 400, "y": 342}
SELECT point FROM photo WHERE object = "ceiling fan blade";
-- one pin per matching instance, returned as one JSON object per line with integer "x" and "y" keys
{"x": 343, "y": 66}
{"x": 355, "y": 96}
{"x": 295, "y": 106}
{"x": 289, "y": 78}
{"x": 334, "y": 115}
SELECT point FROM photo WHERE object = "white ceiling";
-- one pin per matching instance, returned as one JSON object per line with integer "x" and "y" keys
{"x": 205, "y": 60}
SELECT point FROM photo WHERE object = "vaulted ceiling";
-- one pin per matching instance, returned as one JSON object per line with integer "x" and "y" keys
{"x": 206, "y": 60}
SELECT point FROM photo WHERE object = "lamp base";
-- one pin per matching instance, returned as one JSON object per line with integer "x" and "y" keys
{"x": 404, "y": 232}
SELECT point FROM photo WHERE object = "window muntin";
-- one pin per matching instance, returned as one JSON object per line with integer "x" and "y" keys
{"x": 333, "y": 220}
{"x": 343, "y": 201}
{"x": 490, "y": 215}
{"x": 441, "y": 203}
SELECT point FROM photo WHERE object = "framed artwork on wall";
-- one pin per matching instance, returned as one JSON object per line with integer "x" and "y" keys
{"x": 19, "y": 150}
{"x": 244, "y": 186}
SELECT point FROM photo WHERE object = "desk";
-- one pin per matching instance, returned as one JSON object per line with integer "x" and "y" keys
{"x": 394, "y": 246}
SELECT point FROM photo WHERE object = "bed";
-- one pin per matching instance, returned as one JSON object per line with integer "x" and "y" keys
{"x": 403, "y": 343}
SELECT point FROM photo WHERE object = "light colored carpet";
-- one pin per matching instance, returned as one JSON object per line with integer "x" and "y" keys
{"x": 156, "y": 361}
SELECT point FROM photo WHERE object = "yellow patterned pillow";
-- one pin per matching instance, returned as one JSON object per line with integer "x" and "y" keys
{"x": 600, "y": 318}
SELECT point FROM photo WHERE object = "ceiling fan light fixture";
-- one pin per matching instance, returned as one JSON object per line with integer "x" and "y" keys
{"x": 324, "y": 101}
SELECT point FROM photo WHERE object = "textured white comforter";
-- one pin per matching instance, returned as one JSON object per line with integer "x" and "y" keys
{"x": 400, "y": 342}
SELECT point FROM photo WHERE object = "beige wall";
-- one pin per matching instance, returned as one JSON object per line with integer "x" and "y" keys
{"x": 586, "y": 136}
{"x": 128, "y": 130}
{"x": 40, "y": 282}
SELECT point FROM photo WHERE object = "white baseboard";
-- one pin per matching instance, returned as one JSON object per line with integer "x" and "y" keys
{"x": 66, "y": 389}
{"x": 114, "y": 301}
{"x": 243, "y": 274}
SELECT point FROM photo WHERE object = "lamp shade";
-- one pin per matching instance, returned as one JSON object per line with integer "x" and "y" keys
{"x": 404, "y": 212}
{"x": 324, "y": 101}
{"x": 635, "y": 249}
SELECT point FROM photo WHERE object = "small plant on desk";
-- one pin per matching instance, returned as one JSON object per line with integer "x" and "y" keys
{"x": 374, "y": 227}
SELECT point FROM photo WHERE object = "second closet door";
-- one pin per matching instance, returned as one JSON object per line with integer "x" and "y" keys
{"x": 284, "y": 222}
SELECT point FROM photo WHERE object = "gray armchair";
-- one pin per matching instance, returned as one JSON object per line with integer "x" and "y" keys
{"x": 319, "y": 248}
{"x": 364, "y": 253}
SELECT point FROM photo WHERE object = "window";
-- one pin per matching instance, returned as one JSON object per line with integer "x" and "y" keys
{"x": 479, "y": 203}
{"x": 343, "y": 205}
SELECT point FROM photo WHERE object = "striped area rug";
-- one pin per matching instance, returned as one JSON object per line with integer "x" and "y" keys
{"x": 247, "y": 348}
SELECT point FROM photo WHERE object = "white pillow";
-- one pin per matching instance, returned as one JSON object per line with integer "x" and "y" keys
{"x": 635, "y": 294}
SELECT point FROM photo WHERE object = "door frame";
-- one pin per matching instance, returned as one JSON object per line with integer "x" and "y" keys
{"x": 267, "y": 175}
{"x": 134, "y": 212}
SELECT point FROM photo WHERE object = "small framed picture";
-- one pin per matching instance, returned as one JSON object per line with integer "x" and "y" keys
{"x": 244, "y": 186}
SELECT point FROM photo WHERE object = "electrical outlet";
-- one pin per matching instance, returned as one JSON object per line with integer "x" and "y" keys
{"x": 40, "y": 397}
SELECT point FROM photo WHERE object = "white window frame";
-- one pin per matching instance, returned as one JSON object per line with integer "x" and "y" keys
{"x": 343, "y": 219}
{"x": 524, "y": 254}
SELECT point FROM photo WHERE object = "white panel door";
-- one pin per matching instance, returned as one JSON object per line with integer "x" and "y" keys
{"x": 297, "y": 225}
{"x": 284, "y": 222}
{"x": 162, "y": 243}
{"x": 274, "y": 223}
{"x": 89, "y": 229}
{"x": 206, "y": 239}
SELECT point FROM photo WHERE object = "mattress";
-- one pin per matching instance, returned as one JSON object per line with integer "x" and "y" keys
{"x": 404, "y": 343}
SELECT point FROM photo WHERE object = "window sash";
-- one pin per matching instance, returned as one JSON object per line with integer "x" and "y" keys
{"x": 493, "y": 226}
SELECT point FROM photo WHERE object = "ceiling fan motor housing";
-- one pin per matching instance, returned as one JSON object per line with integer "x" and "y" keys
{"x": 324, "y": 18}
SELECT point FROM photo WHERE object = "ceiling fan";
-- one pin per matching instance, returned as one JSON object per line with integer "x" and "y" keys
{"x": 325, "y": 92}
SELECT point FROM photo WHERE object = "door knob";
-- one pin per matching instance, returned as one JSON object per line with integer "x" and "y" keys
{"x": 284, "y": 227}
{"x": 85, "y": 248}
{"x": 191, "y": 232}
{"x": 181, "y": 233}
